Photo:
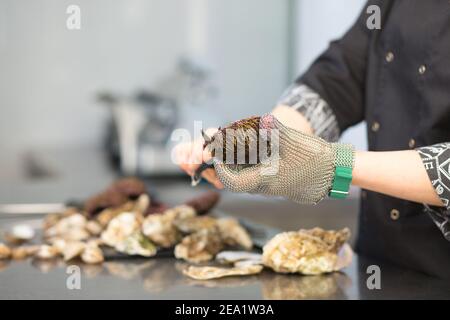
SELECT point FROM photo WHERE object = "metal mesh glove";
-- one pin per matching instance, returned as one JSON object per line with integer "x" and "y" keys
{"x": 302, "y": 168}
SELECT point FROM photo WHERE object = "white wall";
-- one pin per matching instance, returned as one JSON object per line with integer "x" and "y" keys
{"x": 319, "y": 22}
{"x": 49, "y": 75}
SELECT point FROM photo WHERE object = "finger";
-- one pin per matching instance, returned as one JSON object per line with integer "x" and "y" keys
{"x": 195, "y": 157}
{"x": 211, "y": 177}
{"x": 244, "y": 180}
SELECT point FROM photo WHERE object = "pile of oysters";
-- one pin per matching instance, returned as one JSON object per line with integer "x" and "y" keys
{"x": 308, "y": 252}
{"x": 124, "y": 219}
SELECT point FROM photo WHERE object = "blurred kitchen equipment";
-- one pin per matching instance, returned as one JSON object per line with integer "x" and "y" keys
{"x": 141, "y": 126}
{"x": 139, "y": 132}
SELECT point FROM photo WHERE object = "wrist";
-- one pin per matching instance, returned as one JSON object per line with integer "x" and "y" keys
{"x": 358, "y": 168}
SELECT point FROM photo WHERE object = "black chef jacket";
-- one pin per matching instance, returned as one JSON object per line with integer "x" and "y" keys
{"x": 397, "y": 79}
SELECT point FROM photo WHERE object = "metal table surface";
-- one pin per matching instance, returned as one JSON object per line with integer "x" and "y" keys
{"x": 161, "y": 278}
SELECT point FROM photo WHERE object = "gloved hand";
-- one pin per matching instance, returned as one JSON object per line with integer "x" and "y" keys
{"x": 302, "y": 169}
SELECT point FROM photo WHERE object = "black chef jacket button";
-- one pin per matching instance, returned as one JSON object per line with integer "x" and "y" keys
{"x": 422, "y": 69}
{"x": 363, "y": 194}
{"x": 412, "y": 143}
{"x": 375, "y": 126}
{"x": 389, "y": 57}
{"x": 395, "y": 214}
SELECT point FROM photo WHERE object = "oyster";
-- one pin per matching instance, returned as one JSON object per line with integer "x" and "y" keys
{"x": 131, "y": 187}
{"x": 72, "y": 250}
{"x": 52, "y": 219}
{"x": 20, "y": 233}
{"x": 5, "y": 251}
{"x": 71, "y": 228}
{"x": 200, "y": 246}
{"x": 194, "y": 224}
{"x": 233, "y": 257}
{"x": 58, "y": 243}
{"x": 207, "y": 273}
{"x": 307, "y": 251}
{"x": 233, "y": 233}
{"x": 23, "y": 252}
{"x": 45, "y": 252}
{"x": 204, "y": 203}
{"x": 334, "y": 239}
{"x": 120, "y": 228}
{"x": 180, "y": 212}
{"x": 247, "y": 263}
{"x": 137, "y": 244}
{"x": 105, "y": 216}
{"x": 244, "y": 136}
{"x": 105, "y": 200}
{"x": 142, "y": 204}
{"x": 119, "y": 193}
{"x": 92, "y": 254}
{"x": 159, "y": 228}
{"x": 94, "y": 228}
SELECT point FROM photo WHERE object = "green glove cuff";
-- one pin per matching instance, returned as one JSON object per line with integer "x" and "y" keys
{"x": 343, "y": 170}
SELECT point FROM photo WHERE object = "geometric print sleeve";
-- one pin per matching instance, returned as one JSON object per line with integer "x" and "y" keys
{"x": 315, "y": 109}
{"x": 436, "y": 160}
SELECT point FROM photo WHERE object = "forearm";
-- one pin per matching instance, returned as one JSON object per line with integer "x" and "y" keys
{"x": 399, "y": 174}
{"x": 292, "y": 118}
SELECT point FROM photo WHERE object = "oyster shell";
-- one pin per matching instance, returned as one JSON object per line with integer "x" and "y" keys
{"x": 137, "y": 244}
{"x": 200, "y": 246}
{"x": 71, "y": 228}
{"x": 208, "y": 273}
{"x": 52, "y": 219}
{"x": 45, "y": 252}
{"x": 94, "y": 228}
{"x": 5, "y": 251}
{"x": 23, "y": 252}
{"x": 180, "y": 212}
{"x": 105, "y": 216}
{"x": 20, "y": 233}
{"x": 233, "y": 257}
{"x": 233, "y": 233}
{"x": 58, "y": 243}
{"x": 131, "y": 187}
{"x": 159, "y": 228}
{"x": 246, "y": 263}
{"x": 92, "y": 254}
{"x": 307, "y": 251}
{"x": 120, "y": 228}
{"x": 194, "y": 224}
{"x": 142, "y": 204}
{"x": 333, "y": 239}
{"x": 203, "y": 203}
{"x": 72, "y": 250}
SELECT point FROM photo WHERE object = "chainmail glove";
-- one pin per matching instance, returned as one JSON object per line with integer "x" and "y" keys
{"x": 301, "y": 168}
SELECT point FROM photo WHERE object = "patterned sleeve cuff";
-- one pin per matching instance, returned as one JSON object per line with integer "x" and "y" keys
{"x": 314, "y": 109}
{"x": 436, "y": 160}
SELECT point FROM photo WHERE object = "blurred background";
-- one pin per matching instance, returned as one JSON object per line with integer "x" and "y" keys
{"x": 135, "y": 70}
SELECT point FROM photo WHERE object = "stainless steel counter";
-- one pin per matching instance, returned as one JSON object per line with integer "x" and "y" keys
{"x": 162, "y": 279}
